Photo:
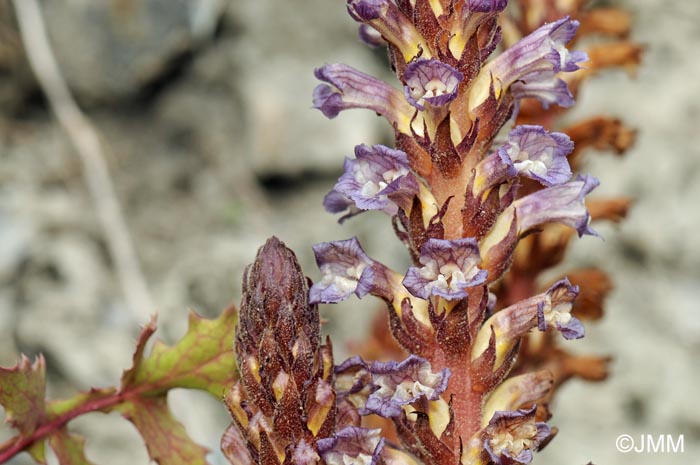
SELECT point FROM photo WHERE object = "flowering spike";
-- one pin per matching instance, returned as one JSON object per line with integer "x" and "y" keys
{"x": 463, "y": 208}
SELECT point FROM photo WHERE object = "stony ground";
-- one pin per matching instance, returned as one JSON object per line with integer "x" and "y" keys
{"x": 205, "y": 112}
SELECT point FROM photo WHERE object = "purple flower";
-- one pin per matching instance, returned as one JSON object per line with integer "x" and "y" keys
{"x": 539, "y": 154}
{"x": 471, "y": 15}
{"x": 493, "y": 170}
{"x": 449, "y": 268}
{"x": 304, "y": 454}
{"x": 352, "y": 445}
{"x": 345, "y": 268}
{"x": 376, "y": 176}
{"x": 348, "y": 270}
{"x": 394, "y": 26}
{"x": 370, "y": 36}
{"x": 487, "y": 6}
{"x": 508, "y": 325}
{"x": 393, "y": 385}
{"x": 348, "y": 88}
{"x": 558, "y": 204}
{"x": 335, "y": 202}
{"x": 530, "y": 67}
{"x": 431, "y": 81}
{"x": 547, "y": 92}
{"x": 555, "y": 310}
{"x": 511, "y": 436}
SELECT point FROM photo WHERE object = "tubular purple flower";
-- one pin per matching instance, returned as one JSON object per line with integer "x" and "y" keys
{"x": 431, "y": 81}
{"x": 547, "y": 92}
{"x": 558, "y": 204}
{"x": 552, "y": 307}
{"x": 394, "y": 26}
{"x": 352, "y": 445}
{"x": 511, "y": 436}
{"x": 349, "y": 88}
{"x": 373, "y": 180}
{"x": 539, "y": 154}
{"x": 449, "y": 269}
{"x": 531, "y": 65}
{"x": 473, "y": 13}
{"x": 348, "y": 270}
{"x": 555, "y": 310}
{"x": 395, "y": 384}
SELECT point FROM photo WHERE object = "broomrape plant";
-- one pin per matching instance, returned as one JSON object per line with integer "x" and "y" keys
{"x": 483, "y": 194}
{"x": 460, "y": 199}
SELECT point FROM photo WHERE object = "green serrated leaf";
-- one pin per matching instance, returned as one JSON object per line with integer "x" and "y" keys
{"x": 22, "y": 392}
{"x": 165, "y": 437}
{"x": 69, "y": 448}
{"x": 202, "y": 359}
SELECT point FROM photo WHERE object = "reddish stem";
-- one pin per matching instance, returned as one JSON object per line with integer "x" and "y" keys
{"x": 18, "y": 443}
{"x": 467, "y": 404}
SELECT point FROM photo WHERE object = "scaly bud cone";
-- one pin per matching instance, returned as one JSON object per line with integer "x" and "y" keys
{"x": 285, "y": 398}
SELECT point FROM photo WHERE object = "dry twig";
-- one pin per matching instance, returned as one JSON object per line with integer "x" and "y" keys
{"x": 87, "y": 143}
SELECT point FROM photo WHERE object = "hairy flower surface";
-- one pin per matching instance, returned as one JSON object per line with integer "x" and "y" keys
{"x": 449, "y": 269}
{"x": 393, "y": 385}
{"x": 530, "y": 66}
{"x": 353, "y": 446}
{"x": 511, "y": 436}
{"x": 348, "y": 270}
{"x": 377, "y": 179}
{"x": 432, "y": 82}
{"x": 349, "y": 88}
{"x": 559, "y": 204}
{"x": 539, "y": 154}
{"x": 555, "y": 310}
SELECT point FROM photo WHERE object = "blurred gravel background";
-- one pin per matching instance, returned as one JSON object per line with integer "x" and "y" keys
{"x": 204, "y": 106}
